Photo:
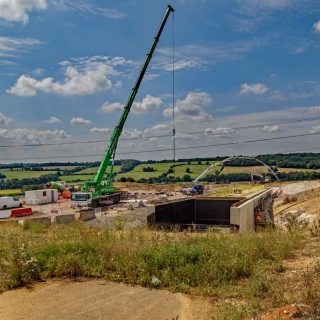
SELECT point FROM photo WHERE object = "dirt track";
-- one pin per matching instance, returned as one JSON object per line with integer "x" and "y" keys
{"x": 97, "y": 299}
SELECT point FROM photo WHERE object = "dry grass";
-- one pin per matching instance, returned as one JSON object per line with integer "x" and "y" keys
{"x": 244, "y": 274}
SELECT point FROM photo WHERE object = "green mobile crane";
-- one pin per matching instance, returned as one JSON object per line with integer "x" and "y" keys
{"x": 98, "y": 191}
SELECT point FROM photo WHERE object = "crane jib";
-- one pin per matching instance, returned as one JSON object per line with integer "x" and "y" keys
{"x": 113, "y": 141}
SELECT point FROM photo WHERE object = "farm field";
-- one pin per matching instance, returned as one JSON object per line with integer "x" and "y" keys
{"x": 180, "y": 170}
{"x": 77, "y": 177}
{"x": 93, "y": 170}
{"x": 138, "y": 173}
{"x": 286, "y": 170}
{"x": 261, "y": 169}
{"x": 61, "y": 168}
{"x": 10, "y": 192}
{"x": 19, "y": 174}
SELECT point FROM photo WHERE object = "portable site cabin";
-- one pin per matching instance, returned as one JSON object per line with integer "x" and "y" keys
{"x": 41, "y": 196}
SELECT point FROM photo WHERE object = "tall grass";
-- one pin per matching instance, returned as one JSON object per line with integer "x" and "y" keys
{"x": 178, "y": 261}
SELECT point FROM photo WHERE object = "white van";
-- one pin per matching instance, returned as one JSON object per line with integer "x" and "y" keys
{"x": 10, "y": 202}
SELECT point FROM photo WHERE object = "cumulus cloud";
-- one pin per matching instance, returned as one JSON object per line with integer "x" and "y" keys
{"x": 186, "y": 136}
{"x": 111, "y": 107}
{"x": 272, "y": 128}
{"x": 315, "y": 129}
{"x": 82, "y": 76}
{"x": 75, "y": 83}
{"x": 17, "y": 10}
{"x": 160, "y": 127}
{"x": 3, "y": 132}
{"x": 148, "y": 104}
{"x": 314, "y": 109}
{"x": 80, "y": 121}
{"x": 257, "y": 88}
{"x": 99, "y": 130}
{"x": 219, "y": 132}
{"x": 52, "y": 120}
{"x": 4, "y": 120}
{"x": 316, "y": 26}
{"x": 131, "y": 133}
{"x": 191, "y": 108}
{"x": 37, "y": 136}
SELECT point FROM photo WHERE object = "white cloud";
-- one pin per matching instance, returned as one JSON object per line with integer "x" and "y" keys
{"x": 4, "y": 120}
{"x": 82, "y": 76}
{"x": 195, "y": 56}
{"x": 131, "y": 133}
{"x": 99, "y": 130}
{"x": 75, "y": 83}
{"x": 257, "y": 88}
{"x": 314, "y": 109}
{"x": 186, "y": 136}
{"x": 86, "y": 8}
{"x": 268, "y": 4}
{"x": 3, "y": 132}
{"x": 148, "y": 104}
{"x": 315, "y": 129}
{"x": 160, "y": 127}
{"x": 111, "y": 107}
{"x": 191, "y": 108}
{"x": 272, "y": 128}
{"x": 80, "y": 121}
{"x": 12, "y": 47}
{"x": 219, "y": 132}
{"x": 17, "y": 10}
{"x": 316, "y": 26}
{"x": 52, "y": 120}
{"x": 37, "y": 136}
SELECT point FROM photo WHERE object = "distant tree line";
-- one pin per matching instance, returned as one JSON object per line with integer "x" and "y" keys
{"x": 291, "y": 160}
{"x": 17, "y": 184}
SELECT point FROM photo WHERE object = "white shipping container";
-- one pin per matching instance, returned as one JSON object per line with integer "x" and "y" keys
{"x": 41, "y": 196}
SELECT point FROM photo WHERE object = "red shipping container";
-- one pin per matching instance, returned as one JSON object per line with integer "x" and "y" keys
{"x": 21, "y": 212}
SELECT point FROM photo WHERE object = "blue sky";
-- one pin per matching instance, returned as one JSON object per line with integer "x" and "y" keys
{"x": 67, "y": 66}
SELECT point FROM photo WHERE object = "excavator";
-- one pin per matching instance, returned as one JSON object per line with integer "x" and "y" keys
{"x": 98, "y": 192}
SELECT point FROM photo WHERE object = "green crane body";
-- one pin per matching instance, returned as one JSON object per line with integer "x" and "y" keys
{"x": 97, "y": 186}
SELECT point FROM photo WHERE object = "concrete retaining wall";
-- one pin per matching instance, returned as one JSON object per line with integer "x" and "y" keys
{"x": 242, "y": 214}
{"x": 186, "y": 212}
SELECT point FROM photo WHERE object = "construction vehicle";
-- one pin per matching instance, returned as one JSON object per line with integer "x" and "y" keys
{"x": 199, "y": 189}
{"x": 99, "y": 192}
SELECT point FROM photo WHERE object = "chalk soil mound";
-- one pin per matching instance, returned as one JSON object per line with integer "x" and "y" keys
{"x": 101, "y": 300}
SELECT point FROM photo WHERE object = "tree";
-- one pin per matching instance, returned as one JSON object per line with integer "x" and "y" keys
{"x": 188, "y": 170}
{"x": 186, "y": 178}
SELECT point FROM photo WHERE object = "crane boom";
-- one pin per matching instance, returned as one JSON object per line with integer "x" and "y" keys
{"x": 97, "y": 184}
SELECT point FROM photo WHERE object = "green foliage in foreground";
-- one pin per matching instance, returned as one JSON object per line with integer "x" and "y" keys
{"x": 181, "y": 262}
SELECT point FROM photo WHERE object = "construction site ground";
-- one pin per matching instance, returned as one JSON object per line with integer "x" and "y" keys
{"x": 98, "y": 299}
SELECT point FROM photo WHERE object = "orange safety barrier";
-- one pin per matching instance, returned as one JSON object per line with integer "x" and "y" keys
{"x": 21, "y": 212}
